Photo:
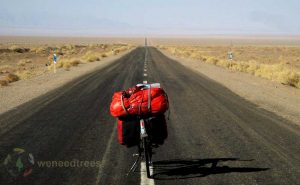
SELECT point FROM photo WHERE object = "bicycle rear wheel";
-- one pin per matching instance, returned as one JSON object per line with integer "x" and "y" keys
{"x": 147, "y": 151}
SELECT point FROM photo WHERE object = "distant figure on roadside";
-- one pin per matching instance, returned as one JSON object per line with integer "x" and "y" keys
{"x": 54, "y": 58}
{"x": 230, "y": 55}
{"x": 54, "y": 62}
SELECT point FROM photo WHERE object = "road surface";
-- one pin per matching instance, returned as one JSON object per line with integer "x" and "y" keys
{"x": 215, "y": 136}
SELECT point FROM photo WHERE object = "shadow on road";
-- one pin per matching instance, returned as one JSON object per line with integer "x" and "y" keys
{"x": 193, "y": 168}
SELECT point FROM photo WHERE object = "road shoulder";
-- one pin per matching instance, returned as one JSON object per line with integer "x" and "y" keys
{"x": 277, "y": 98}
{"x": 24, "y": 91}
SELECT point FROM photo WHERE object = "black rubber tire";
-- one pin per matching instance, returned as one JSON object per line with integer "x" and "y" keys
{"x": 147, "y": 156}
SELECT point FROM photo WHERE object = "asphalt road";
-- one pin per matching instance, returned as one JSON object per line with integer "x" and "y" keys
{"x": 215, "y": 136}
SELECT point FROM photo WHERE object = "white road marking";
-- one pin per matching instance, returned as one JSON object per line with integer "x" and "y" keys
{"x": 145, "y": 70}
{"x": 145, "y": 82}
{"x": 144, "y": 179}
{"x": 106, "y": 154}
{"x": 145, "y": 74}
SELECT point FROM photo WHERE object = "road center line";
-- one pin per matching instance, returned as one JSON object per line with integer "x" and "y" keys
{"x": 145, "y": 74}
{"x": 144, "y": 179}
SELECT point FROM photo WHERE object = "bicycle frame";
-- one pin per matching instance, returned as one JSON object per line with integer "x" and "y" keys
{"x": 143, "y": 129}
{"x": 144, "y": 149}
{"x": 145, "y": 144}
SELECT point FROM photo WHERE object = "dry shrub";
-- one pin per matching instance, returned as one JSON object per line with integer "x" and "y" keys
{"x": 197, "y": 56}
{"x": 11, "y": 78}
{"x": 39, "y": 50}
{"x": 93, "y": 58}
{"x": 103, "y": 55}
{"x": 23, "y": 62}
{"x": 67, "y": 66}
{"x": 50, "y": 67}
{"x": 281, "y": 72}
{"x": 50, "y": 58}
{"x": 224, "y": 63}
{"x": 3, "y": 83}
{"x": 116, "y": 51}
{"x": 289, "y": 78}
{"x": 90, "y": 57}
{"x": 59, "y": 52}
{"x": 6, "y": 68}
{"x": 60, "y": 63}
{"x": 65, "y": 63}
{"x": 92, "y": 46}
{"x": 27, "y": 61}
{"x": 253, "y": 66}
{"x": 26, "y": 74}
{"x": 74, "y": 62}
{"x": 69, "y": 47}
{"x": 103, "y": 46}
{"x": 18, "y": 49}
{"x": 71, "y": 51}
{"x": 212, "y": 60}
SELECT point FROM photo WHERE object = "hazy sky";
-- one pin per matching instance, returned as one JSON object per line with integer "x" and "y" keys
{"x": 149, "y": 17}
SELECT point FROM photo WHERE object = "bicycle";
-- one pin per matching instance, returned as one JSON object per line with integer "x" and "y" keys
{"x": 152, "y": 129}
{"x": 144, "y": 146}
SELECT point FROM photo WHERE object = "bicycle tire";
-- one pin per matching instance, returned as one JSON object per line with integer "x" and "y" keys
{"x": 147, "y": 156}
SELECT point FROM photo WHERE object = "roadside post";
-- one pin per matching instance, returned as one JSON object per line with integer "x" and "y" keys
{"x": 54, "y": 61}
{"x": 230, "y": 55}
{"x": 230, "y": 58}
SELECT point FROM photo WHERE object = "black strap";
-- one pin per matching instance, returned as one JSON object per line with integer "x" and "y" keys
{"x": 149, "y": 98}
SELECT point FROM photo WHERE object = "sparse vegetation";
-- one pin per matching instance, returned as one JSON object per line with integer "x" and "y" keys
{"x": 90, "y": 57}
{"x": 65, "y": 63}
{"x": 39, "y": 50}
{"x": 103, "y": 55}
{"x": 25, "y": 61}
{"x": 6, "y": 68}
{"x": 275, "y": 63}
{"x": 3, "y": 83}
{"x": 67, "y": 66}
{"x": 18, "y": 49}
{"x": 74, "y": 62}
{"x": 11, "y": 78}
{"x": 25, "y": 74}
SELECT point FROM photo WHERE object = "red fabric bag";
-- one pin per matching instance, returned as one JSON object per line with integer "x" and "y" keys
{"x": 134, "y": 101}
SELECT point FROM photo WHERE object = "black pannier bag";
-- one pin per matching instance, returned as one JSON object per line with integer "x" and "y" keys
{"x": 129, "y": 130}
{"x": 159, "y": 131}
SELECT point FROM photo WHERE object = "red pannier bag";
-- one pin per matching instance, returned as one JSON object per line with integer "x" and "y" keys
{"x": 134, "y": 101}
